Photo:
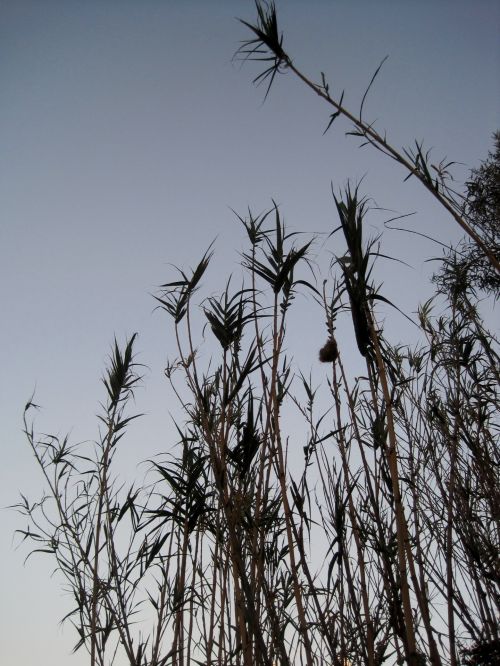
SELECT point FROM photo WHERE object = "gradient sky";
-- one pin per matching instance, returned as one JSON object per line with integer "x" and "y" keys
{"x": 128, "y": 134}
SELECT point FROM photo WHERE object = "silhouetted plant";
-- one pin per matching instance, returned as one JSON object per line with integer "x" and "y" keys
{"x": 266, "y": 45}
{"x": 378, "y": 543}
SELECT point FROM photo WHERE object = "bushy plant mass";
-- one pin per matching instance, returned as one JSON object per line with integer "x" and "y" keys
{"x": 382, "y": 545}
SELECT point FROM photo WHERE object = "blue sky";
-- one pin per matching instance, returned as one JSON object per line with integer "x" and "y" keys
{"x": 128, "y": 133}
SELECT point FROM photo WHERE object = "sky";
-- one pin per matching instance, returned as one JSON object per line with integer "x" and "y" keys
{"x": 129, "y": 135}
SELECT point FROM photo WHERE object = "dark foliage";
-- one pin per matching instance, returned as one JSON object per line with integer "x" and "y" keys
{"x": 468, "y": 264}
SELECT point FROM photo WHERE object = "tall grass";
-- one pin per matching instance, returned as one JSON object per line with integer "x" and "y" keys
{"x": 380, "y": 546}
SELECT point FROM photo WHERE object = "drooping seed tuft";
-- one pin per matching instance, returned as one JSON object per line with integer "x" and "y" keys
{"x": 329, "y": 352}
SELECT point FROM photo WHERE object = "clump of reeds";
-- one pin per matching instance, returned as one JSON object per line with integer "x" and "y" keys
{"x": 378, "y": 543}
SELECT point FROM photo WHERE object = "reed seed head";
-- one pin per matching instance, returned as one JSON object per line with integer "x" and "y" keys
{"x": 329, "y": 352}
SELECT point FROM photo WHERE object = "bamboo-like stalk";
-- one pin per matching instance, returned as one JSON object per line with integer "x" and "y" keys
{"x": 269, "y": 40}
{"x": 382, "y": 144}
